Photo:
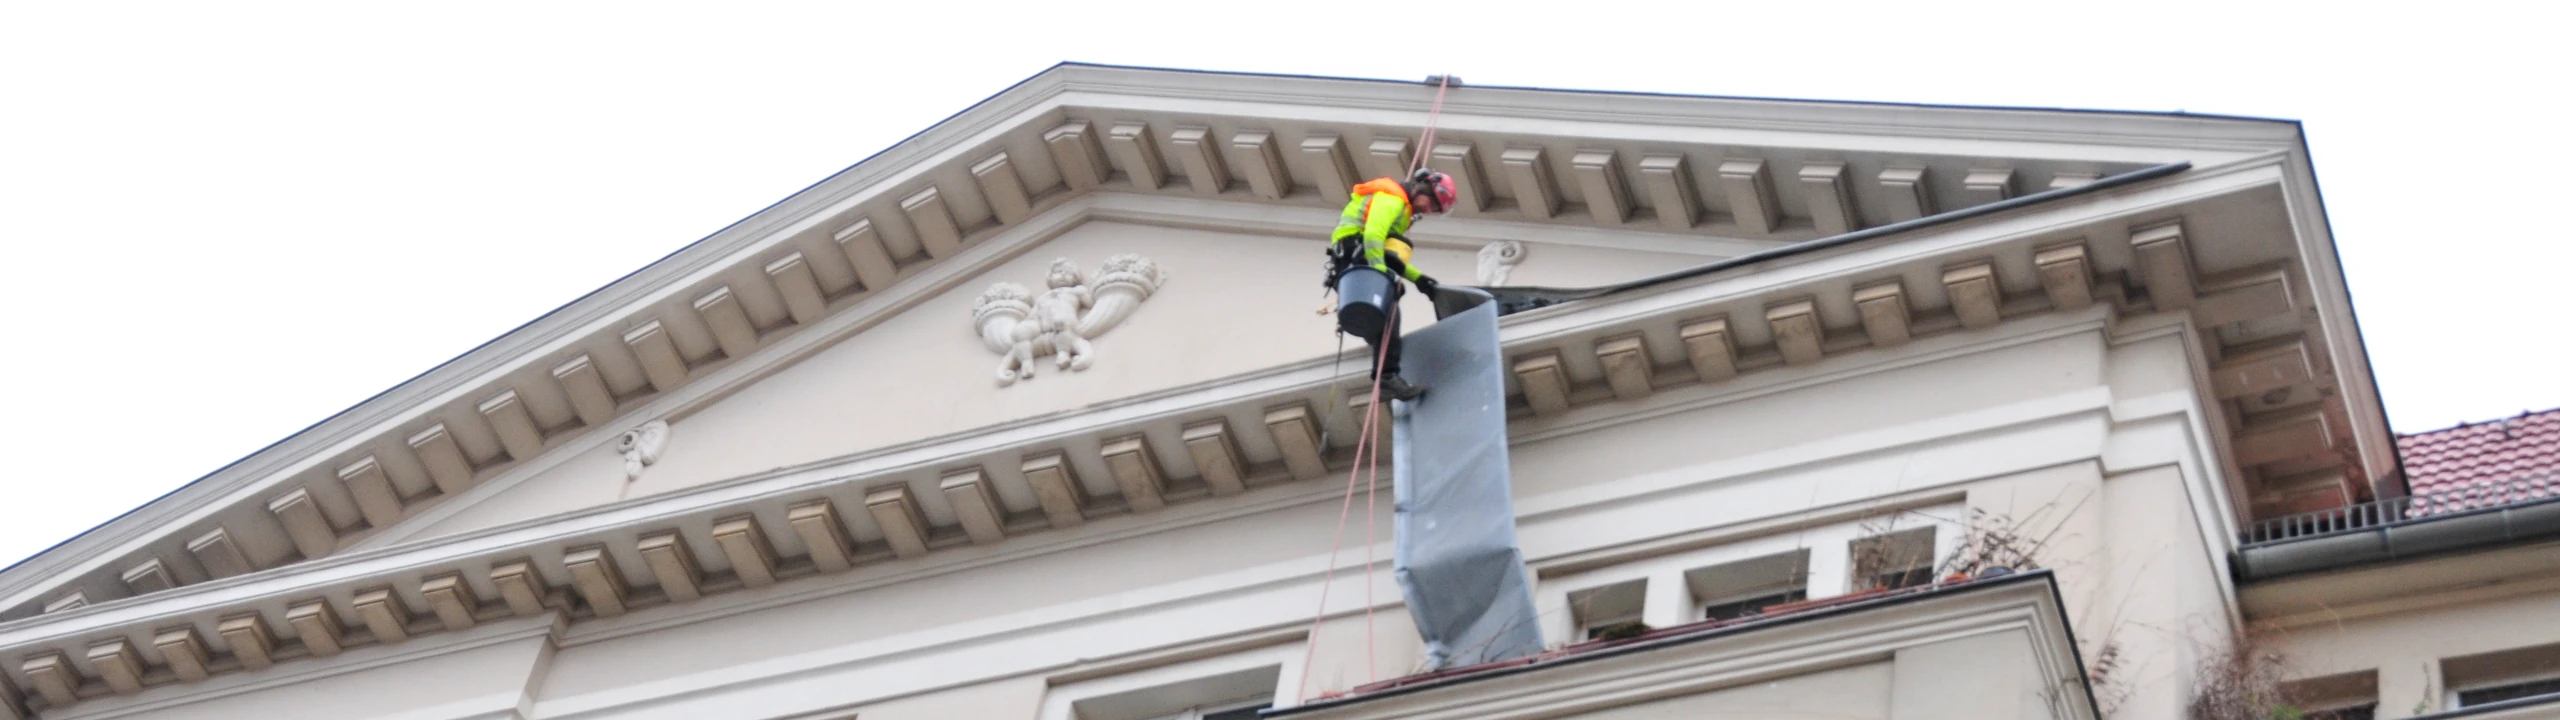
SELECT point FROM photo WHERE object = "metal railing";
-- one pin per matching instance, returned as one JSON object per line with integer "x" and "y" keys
{"x": 2379, "y": 513}
{"x": 2325, "y": 522}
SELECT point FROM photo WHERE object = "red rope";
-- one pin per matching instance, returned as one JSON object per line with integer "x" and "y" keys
{"x": 1430, "y": 127}
{"x": 1367, "y": 448}
{"x": 1369, "y": 583}
{"x": 1363, "y": 448}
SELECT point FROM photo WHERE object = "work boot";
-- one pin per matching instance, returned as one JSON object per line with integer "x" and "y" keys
{"x": 1395, "y": 387}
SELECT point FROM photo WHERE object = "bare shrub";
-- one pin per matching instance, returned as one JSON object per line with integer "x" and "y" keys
{"x": 1993, "y": 540}
{"x": 2243, "y": 683}
{"x": 2106, "y": 673}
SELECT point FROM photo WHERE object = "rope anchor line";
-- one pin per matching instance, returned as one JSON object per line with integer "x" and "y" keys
{"x": 1366, "y": 449}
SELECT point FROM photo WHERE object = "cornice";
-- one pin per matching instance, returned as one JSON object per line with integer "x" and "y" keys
{"x": 704, "y": 390}
{"x": 998, "y": 125}
{"x": 2043, "y": 125}
{"x": 471, "y": 369}
{"x": 1534, "y": 327}
{"x": 1529, "y": 328}
{"x": 1954, "y": 238}
{"x": 1301, "y": 380}
{"x": 623, "y": 520}
{"x": 547, "y": 628}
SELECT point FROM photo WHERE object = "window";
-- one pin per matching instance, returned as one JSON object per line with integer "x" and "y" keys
{"x": 1723, "y": 576}
{"x": 1218, "y": 697}
{"x": 1233, "y": 686}
{"x": 2510, "y": 691}
{"x": 2359, "y": 712}
{"x": 1750, "y": 606}
{"x": 1600, "y": 611}
{"x": 1895, "y": 560}
{"x": 2525, "y": 672}
{"x": 1247, "y": 710}
{"x": 1745, "y": 587}
{"x": 2345, "y": 696}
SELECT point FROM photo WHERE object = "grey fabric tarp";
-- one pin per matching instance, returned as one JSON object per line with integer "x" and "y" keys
{"x": 1457, "y": 552}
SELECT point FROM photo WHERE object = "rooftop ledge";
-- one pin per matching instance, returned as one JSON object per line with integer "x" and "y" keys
{"x": 1843, "y": 608}
{"x": 2387, "y": 530}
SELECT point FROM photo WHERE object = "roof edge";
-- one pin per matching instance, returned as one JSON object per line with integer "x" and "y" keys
{"x": 205, "y": 494}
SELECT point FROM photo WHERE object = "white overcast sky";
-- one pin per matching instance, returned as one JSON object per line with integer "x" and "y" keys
{"x": 224, "y": 222}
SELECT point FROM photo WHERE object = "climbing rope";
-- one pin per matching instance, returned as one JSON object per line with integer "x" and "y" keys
{"x": 1430, "y": 127}
{"x": 1366, "y": 449}
{"x": 1369, "y": 556}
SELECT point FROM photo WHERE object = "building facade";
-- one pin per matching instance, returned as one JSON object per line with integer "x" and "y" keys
{"x": 1899, "y": 412}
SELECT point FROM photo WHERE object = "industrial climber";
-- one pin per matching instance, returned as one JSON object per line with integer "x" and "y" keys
{"x": 1368, "y": 256}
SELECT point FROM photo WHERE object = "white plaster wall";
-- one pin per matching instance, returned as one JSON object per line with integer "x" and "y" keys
{"x": 1234, "y": 303}
{"x": 2128, "y": 549}
{"x": 1011, "y": 698}
{"x": 2404, "y": 648}
{"x": 1356, "y": 648}
{"x": 2019, "y": 421}
{"x": 593, "y": 478}
{"x": 1258, "y": 572}
{"x": 1805, "y": 420}
{"x": 1992, "y": 675}
{"x": 2160, "y": 605}
{"x": 2012, "y": 427}
{"x": 490, "y": 682}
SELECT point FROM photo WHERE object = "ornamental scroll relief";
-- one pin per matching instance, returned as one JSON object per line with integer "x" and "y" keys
{"x": 641, "y": 447}
{"x": 1494, "y": 262}
{"x": 1061, "y": 322}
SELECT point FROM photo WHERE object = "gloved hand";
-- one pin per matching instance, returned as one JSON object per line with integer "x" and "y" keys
{"x": 1428, "y": 286}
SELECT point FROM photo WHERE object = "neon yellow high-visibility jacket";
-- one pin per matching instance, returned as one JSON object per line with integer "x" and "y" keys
{"x": 1379, "y": 215}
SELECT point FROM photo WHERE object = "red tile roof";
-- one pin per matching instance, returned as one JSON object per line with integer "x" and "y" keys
{"x": 2477, "y": 465}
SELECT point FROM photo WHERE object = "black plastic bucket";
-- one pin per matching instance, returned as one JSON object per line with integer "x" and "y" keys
{"x": 1366, "y": 294}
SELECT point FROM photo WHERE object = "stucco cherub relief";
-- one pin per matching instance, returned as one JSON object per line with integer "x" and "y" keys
{"x": 1061, "y": 322}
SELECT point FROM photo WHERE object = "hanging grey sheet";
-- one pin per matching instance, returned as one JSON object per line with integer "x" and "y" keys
{"x": 1457, "y": 552}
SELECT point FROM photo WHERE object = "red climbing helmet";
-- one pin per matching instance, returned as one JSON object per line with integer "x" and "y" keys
{"x": 1443, "y": 191}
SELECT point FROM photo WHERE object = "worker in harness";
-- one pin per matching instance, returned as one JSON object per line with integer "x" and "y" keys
{"x": 1370, "y": 253}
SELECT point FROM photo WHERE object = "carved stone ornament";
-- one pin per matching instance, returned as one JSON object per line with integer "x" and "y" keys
{"x": 1494, "y": 262}
{"x": 1061, "y": 322}
{"x": 641, "y": 447}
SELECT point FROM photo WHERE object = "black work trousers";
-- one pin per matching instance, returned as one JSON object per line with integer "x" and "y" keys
{"x": 1392, "y": 336}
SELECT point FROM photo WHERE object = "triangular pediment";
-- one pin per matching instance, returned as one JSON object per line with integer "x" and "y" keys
{"x": 1160, "y": 308}
{"x": 838, "y": 321}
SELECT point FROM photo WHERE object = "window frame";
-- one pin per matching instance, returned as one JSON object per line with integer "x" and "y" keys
{"x": 1067, "y": 699}
{"x": 2498, "y": 670}
{"x": 2461, "y": 696}
{"x": 1669, "y": 600}
{"x": 1588, "y": 626}
{"x": 1203, "y": 712}
{"x": 1902, "y": 561}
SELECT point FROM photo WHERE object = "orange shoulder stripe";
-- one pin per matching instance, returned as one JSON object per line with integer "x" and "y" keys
{"x": 1381, "y": 185}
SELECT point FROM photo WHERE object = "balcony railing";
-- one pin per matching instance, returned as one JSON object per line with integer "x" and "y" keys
{"x": 2327, "y": 522}
{"x": 2512, "y": 491}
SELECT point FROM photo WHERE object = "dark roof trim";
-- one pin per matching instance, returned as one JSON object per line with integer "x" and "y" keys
{"x": 1517, "y": 299}
{"x": 1700, "y": 96}
{"x": 2466, "y": 531}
